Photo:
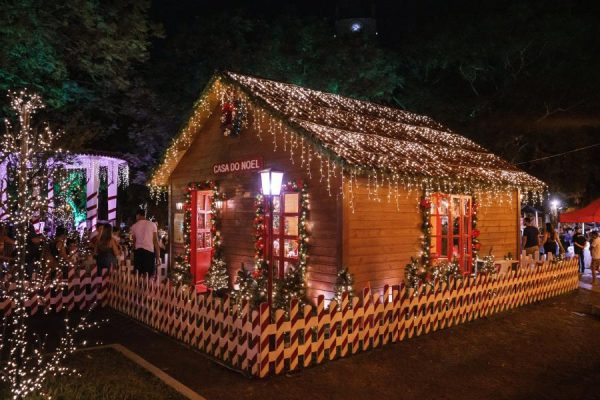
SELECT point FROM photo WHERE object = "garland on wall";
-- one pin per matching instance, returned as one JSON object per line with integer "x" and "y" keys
{"x": 181, "y": 271}
{"x": 476, "y": 245}
{"x": 233, "y": 117}
{"x": 425, "y": 206}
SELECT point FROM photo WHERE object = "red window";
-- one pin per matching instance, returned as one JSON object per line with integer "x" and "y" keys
{"x": 451, "y": 229}
{"x": 286, "y": 219}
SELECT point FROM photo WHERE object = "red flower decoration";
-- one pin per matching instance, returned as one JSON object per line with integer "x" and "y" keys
{"x": 475, "y": 233}
{"x": 477, "y": 246}
{"x": 256, "y": 273}
{"x": 425, "y": 204}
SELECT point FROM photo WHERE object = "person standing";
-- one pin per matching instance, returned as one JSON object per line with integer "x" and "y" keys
{"x": 551, "y": 241}
{"x": 107, "y": 250}
{"x": 144, "y": 236}
{"x": 531, "y": 238}
{"x": 595, "y": 250}
{"x": 579, "y": 242}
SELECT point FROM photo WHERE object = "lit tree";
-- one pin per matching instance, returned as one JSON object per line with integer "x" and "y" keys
{"x": 31, "y": 161}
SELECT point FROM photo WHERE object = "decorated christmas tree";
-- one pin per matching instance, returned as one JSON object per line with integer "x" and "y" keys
{"x": 343, "y": 284}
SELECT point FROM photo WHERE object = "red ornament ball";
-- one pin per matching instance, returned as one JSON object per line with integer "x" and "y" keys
{"x": 425, "y": 204}
{"x": 475, "y": 233}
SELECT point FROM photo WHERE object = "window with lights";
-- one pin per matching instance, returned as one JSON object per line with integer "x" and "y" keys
{"x": 451, "y": 226}
{"x": 286, "y": 220}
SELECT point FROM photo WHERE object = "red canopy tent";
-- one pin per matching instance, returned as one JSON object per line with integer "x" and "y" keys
{"x": 589, "y": 213}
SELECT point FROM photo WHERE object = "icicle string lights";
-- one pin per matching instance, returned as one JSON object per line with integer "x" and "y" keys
{"x": 361, "y": 138}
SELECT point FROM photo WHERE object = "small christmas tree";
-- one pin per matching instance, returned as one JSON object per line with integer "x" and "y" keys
{"x": 343, "y": 283}
{"x": 290, "y": 287}
{"x": 217, "y": 277}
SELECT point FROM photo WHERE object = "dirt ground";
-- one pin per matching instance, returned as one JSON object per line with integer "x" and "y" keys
{"x": 549, "y": 350}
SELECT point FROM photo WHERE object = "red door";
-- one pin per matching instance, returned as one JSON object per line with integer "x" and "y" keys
{"x": 201, "y": 237}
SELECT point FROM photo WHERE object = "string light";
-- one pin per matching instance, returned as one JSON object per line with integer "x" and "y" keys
{"x": 32, "y": 164}
{"x": 361, "y": 138}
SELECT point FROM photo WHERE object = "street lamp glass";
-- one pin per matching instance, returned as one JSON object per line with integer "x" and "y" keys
{"x": 265, "y": 179}
{"x": 276, "y": 179}
{"x": 271, "y": 182}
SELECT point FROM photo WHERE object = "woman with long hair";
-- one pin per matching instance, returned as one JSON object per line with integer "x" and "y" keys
{"x": 107, "y": 250}
{"x": 551, "y": 241}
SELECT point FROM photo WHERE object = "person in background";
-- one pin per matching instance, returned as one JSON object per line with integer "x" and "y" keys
{"x": 107, "y": 250}
{"x": 34, "y": 249}
{"x": 551, "y": 241}
{"x": 5, "y": 251}
{"x": 579, "y": 242}
{"x": 145, "y": 244}
{"x": 57, "y": 249}
{"x": 531, "y": 238}
{"x": 72, "y": 251}
{"x": 595, "y": 250}
{"x": 96, "y": 234}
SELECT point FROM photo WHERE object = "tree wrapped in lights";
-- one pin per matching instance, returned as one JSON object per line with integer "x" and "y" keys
{"x": 343, "y": 284}
{"x": 32, "y": 160}
{"x": 425, "y": 206}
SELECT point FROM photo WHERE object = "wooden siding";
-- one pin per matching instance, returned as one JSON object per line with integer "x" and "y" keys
{"x": 498, "y": 222}
{"x": 380, "y": 237}
{"x": 211, "y": 147}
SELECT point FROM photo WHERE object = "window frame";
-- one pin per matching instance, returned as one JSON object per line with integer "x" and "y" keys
{"x": 280, "y": 256}
{"x": 464, "y": 234}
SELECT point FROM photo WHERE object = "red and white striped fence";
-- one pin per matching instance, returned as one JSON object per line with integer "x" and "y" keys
{"x": 78, "y": 292}
{"x": 252, "y": 341}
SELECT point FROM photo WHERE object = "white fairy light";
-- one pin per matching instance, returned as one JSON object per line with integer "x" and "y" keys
{"x": 376, "y": 142}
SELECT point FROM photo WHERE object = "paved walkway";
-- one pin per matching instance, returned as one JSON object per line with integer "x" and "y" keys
{"x": 548, "y": 350}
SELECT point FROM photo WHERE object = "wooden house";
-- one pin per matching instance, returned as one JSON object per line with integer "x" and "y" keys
{"x": 382, "y": 185}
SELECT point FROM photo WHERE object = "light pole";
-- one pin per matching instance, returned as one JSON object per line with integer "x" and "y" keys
{"x": 271, "y": 186}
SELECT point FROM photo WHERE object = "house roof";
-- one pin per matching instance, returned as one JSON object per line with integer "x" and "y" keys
{"x": 364, "y": 136}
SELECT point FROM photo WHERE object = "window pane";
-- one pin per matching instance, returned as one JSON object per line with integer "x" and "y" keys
{"x": 291, "y": 203}
{"x": 443, "y": 206}
{"x": 455, "y": 247}
{"x": 199, "y": 240}
{"x": 444, "y": 249}
{"x": 287, "y": 265}
{"x": 200, "y": 221}
{"x": 207, "y": 240}
{"x": 291, "y": 226}
{"x": 276, "y": 247}
{"x": 291, "y": 249}
{"x": 276, "y": 204}
{"x": 200, "y": 201}
{"x": 456, "y": 215}
{"x": 276, "y": 223}
{"x": 444, "y": 225}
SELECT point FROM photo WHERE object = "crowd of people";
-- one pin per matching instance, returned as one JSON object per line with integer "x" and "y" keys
{"x": 569, "y": 241}
{"x": 102, "y": 247}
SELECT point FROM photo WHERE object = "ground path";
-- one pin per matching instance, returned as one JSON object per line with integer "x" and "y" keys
{"x": 549, "y": 350}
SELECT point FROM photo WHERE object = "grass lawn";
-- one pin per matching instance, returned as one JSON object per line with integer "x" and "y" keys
{"x": 105, "y": 374}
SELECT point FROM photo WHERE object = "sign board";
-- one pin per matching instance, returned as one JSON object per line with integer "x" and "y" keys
{"x": 178, "y": 225}
{"x": 234, "y": 167}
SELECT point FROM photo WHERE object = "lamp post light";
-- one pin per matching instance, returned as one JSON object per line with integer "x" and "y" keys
{"x": 271, "y": 186}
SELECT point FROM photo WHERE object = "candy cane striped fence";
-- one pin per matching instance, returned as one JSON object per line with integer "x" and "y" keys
{"x": 79, "y": 291}
{"x": 252, "y": 341}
